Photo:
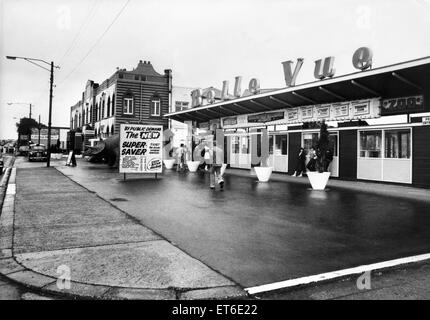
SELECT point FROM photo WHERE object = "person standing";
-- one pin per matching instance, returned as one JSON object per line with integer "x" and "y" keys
{"x": 215, "y": 169}
{"x": 180, "y": 154}
{"x": 300, "y": 166}
{"x": 312, "y": 160}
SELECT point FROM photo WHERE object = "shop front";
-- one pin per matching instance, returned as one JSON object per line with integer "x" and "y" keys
{"x": 378, "y": 119}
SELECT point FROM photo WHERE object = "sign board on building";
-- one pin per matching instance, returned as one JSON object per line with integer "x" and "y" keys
{"x": 402, "y": 105}
{"x": 89, "y": 132}
{"x": 141, "y": 148}
{"x": 266, "y": 117}
{"x": 229, "y": 121}
{"x": 359, "y": 109}
{"x": 426, "y": 121}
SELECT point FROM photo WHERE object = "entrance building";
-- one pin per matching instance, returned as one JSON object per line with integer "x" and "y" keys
{"x": 378, "y": 120}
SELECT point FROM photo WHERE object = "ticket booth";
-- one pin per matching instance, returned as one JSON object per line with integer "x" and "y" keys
{"x": 278, "y": 152}
{"x": 240, "y": 152}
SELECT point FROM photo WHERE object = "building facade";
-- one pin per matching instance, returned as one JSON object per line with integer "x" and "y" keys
{"x": 141, "y": 95}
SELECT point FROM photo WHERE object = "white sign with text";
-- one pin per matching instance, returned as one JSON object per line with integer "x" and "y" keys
{"x": 141, "y": 148}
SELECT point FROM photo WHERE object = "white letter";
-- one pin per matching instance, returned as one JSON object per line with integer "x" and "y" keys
{"x": 364, "y": 281}
{"x": 290, "y": 78}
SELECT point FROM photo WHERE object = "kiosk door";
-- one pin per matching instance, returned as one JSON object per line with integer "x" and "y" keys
{"x": 234, "y": 154}
{"x": 244, "y": 153}
{"x": 280, "y": 155}
{"x": 334, "y": 145}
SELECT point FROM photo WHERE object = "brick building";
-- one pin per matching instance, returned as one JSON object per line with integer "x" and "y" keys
{"x": 141, "y": 95}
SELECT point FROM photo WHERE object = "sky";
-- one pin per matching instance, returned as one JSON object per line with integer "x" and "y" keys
{"x": 203, "y": 42}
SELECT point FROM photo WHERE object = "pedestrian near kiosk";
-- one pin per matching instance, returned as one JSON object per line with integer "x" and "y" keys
{"x": 216, "y": 160}
{"x": 311, "y": 166}
{"x": 180, "y": 154}
{"x": 300, "y": 166}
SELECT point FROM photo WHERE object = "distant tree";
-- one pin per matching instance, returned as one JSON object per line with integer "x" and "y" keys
{"x": 25, "y": 125}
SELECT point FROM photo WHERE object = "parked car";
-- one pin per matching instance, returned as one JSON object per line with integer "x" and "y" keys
{"x": 37, "y": 152}
{"x": 1, "y": 166}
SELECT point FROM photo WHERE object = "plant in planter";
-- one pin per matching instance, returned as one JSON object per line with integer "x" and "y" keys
{"x": 264, "y": 171}
{"x": 319, "y": 178}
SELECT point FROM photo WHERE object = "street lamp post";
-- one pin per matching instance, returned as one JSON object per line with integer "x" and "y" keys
{"x": 51, "y": 70}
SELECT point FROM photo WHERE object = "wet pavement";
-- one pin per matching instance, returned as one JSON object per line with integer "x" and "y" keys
{"x": 258, "y": 233}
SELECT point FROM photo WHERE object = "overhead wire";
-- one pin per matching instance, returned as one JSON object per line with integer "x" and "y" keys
{"x": 95, "y": 44}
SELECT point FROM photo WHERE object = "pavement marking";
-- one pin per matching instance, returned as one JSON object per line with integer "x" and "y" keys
{"x": 336, "y": 274}
{"x": 11, "y": 188}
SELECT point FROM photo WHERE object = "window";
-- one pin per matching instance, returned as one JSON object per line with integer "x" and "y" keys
{"x": 113, "y": 104}
{"x": 370, "y": 144}
{"x": 108, "y": 107}
{"x": 155, "y": 107}
{"x": 270, "y": 144}
{"x": 309, "y": 140}
{"x": 128, "y": 104}
{"x": 398, "y": 144}
{"x": 280, "y": 145}
{"x": 181, "y": 105}
{"x": 245, "y": 145}
{"x": 235, "y": 145}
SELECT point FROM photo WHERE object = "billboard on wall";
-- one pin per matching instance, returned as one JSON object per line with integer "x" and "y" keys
{"x": 141, "y": 148}
{"x": 349, "y": 110}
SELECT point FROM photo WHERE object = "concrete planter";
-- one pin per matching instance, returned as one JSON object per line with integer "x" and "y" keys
{"x": 168, "y": 163}
{"x": 318, "y": 180}
{"x": 193, "y": 165}
{"x": 263, "y": 173}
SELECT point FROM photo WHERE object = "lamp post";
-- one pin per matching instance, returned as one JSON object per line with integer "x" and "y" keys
{"x": 51, "y": 70}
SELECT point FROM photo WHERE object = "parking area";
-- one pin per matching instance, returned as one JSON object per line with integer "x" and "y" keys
{"x": 259, "y": 233}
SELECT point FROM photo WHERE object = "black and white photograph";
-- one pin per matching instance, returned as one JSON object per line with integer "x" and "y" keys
{"x": 214, "y": 155}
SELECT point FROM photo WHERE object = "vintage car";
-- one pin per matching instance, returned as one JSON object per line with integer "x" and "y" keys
{"x": 37, "y": 153}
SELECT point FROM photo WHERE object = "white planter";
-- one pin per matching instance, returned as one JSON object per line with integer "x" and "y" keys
{"x": 318, "y": 180}
{"x": 263, "y": 173}
{"x": 193, "y": 165}
{"x": 168, "y": 163}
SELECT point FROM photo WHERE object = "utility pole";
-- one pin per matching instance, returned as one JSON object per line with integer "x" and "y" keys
{"x": 50, "y": 114}
{"x": 38, "y": 142}
{"x": 51, "y": 71}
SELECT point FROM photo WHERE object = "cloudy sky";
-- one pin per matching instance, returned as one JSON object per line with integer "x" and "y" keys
{"x": 203, "y": 42}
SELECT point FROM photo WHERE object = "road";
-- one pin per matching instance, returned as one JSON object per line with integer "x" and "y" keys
{"x": 259, "y": 233}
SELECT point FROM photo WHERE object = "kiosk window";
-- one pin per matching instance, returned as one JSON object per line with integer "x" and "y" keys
{"x": 398, "y": 144}
{"x": 280, "y": 145}
{"x": 270, "y": 144}
{"x": 235, "y": 144}
{"x": 309, "y": 140}
{"x": 370, "y": 144}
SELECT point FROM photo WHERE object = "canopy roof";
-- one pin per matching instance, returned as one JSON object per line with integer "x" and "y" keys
{"x": 398, "y": 80}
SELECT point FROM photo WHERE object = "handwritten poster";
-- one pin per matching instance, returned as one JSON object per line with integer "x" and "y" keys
{"x": 141, "y": 148}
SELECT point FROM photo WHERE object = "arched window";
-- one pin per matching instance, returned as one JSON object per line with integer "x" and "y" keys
{"x": 107, "y": 131}
{"x": 112, "y": 130}
{"x": 113, "y": 104}
{"x": 83, "y": 117}
{"x": 90, "y": 114}
{"x": 155, "y": 107}
{"x": 108, "y": 107}
{"x": 128, "y": 103}
{"x": 97, "y": 111}
{"x": 103, "y": 108}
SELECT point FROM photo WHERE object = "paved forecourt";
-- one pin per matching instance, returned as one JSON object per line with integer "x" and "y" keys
{"x": 263, "y": 233}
